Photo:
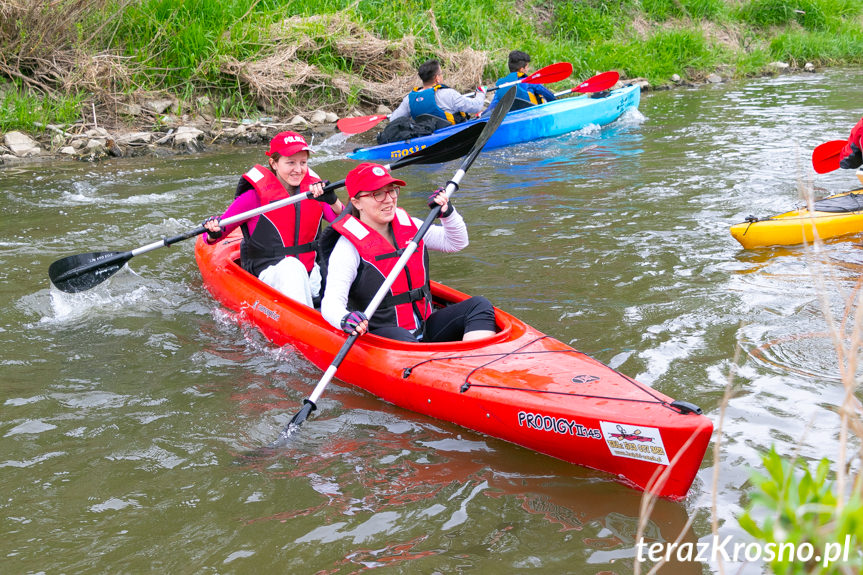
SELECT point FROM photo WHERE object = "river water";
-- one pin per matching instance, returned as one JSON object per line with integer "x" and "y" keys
{"x": 125, "y": 411}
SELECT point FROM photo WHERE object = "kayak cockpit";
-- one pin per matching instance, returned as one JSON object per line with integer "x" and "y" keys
{"x": 506, "y": 325}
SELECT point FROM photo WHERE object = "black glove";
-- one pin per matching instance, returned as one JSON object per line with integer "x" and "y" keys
{"x": 449, "y": 207}
{"x": 352, "y": 320}
{"x": 210, "y": 234}
{"x": 329, "y": 196}
{"x": 852, "y": 160}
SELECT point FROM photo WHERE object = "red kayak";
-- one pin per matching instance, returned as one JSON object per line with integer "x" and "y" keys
{"x": 519, "y": 385}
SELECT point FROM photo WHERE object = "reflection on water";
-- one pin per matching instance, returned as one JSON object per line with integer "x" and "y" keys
{"x": 128, "y": 413}
{"x": 417, "y": 493}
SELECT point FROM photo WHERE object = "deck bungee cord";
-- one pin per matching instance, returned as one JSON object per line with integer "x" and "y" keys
{"x": 677, "y": 406}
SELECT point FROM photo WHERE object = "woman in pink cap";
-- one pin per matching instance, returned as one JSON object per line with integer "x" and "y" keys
{"x": 372, "y": 233}
{"x": 280, "y": 246}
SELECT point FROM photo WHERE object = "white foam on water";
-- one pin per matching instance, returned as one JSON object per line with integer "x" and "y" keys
{"x": 136, "y": 200}
{"x": 630, "y": 117}
{"x": 332, "y": 147}
{"x": 123, "y": 293}
{"x": 337, "y": 139}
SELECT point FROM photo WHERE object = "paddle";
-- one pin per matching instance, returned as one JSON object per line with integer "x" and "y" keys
{"x": 548, "y": 75}
{"x": 825, "y": 157}
{"x": 81, "y": 272}
{"x": 597, "y": 83}
{"x": 309, "y": 404}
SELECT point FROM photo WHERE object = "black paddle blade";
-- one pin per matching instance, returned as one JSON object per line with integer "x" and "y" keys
{"x": 494, "y": 121}
{"x": 81, "y": 272}
{"x": 294, "y": 424}
{"x": 450, "y": 148}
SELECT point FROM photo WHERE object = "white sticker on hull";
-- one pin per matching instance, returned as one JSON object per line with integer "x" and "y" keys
{"x": 634, "y": 442}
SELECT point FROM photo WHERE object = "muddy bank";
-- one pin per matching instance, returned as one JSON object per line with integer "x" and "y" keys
{"x": 172, "y": 135}
{"x": 153, "y": 129}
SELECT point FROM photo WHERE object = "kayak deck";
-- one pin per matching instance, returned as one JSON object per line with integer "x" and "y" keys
{"x": 800, "y": 226}
{"x": 519, "y": 385}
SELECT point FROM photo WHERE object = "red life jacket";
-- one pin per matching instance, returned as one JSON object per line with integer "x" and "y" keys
{"x": 283, "y": 232}
{"x": 410, "y": 294}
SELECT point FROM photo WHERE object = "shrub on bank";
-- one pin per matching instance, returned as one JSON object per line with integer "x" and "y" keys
{"x": 792, "y": 508}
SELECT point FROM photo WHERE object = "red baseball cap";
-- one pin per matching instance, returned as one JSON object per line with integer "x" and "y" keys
{"x": 288, "y": 144}
{"x": 368, "y": 177}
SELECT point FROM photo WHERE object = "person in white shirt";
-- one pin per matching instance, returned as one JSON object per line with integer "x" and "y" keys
{"x": 372, "y": 233}
{"x": 435, "y": 99}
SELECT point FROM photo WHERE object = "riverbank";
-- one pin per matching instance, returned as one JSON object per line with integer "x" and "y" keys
{"x": 158, "y": 132}
{"x": 193, "y": 74}
{"x": 171, "y": 135}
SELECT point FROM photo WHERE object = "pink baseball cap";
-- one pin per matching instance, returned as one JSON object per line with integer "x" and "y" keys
{"x": 368, "y": 177}
{"x": 288, "y": 144}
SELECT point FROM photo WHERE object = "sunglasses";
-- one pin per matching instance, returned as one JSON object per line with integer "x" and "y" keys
{"x": 380, "y": 195}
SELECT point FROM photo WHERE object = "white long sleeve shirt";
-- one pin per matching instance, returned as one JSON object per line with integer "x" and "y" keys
{"x": 344, "y": 263}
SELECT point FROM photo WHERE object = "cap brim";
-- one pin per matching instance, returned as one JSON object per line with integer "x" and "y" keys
{"x": 290, "y": 152}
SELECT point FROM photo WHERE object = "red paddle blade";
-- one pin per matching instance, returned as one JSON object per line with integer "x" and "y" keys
{"x": 825, "y": 157}
{"x": 598, "y": 83}
{"x": 550, "y": 74}
{"x": 359, "y": 124}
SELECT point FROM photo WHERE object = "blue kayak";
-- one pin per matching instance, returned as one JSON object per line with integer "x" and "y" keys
{"x": 542, "y": 121}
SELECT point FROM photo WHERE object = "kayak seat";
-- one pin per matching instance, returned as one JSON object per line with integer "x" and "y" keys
{"x": 439, "y": 302}
{"x": 518, "y": 104}
{"x": 850, "y": 202}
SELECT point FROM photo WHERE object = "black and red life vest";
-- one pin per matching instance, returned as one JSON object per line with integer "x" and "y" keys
{"x": 855, "y": 138}
{"x": 283, "y": 232}
{"x": 409, "y": 297}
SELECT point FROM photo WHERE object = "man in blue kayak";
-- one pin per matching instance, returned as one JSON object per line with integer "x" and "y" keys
{"x": 437, "y": 103}
{"x": 526, "y": 94}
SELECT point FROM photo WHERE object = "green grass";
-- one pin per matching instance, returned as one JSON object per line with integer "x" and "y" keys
{"x": 20, "y": 110}
{"x": 179, "y": 46}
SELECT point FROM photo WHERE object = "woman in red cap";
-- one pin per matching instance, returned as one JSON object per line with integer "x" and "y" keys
{"x": 372, "y": 233}
{"x": 280, "y": 246}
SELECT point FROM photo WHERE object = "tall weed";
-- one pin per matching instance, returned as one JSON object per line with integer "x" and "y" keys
{"x": 20, "y": 110}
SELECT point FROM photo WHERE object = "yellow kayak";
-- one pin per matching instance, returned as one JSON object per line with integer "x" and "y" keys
{"x": 831, "y": 217}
